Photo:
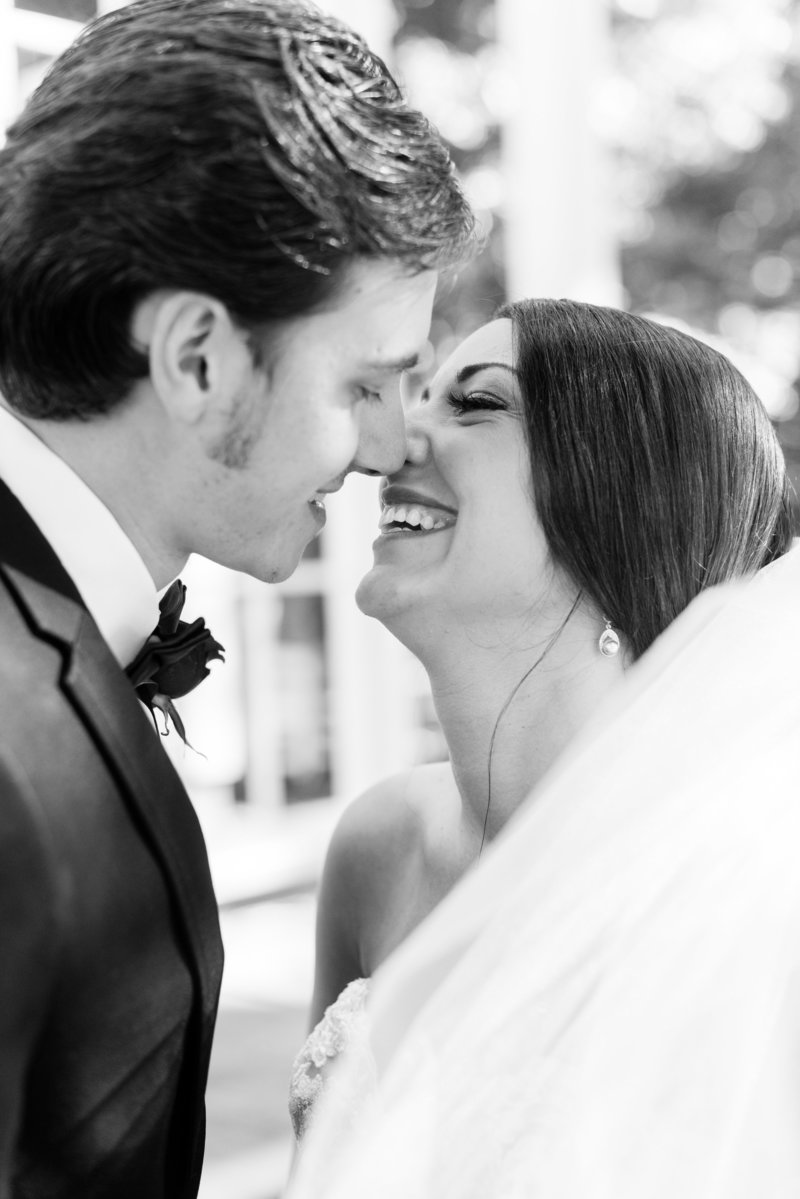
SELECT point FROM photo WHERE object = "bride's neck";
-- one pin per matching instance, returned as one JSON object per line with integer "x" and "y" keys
{"x": 516, "y": 706}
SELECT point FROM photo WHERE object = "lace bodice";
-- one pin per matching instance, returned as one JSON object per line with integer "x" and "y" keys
{"x": 342, "y": 1025}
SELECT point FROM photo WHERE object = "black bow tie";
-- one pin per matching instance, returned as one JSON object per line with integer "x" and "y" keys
{"x": 174, "y": 659}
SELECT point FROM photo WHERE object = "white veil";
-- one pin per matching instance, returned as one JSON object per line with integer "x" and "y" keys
{"x": 608, "y": 1006}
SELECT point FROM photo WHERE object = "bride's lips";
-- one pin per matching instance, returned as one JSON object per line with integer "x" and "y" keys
{"x": 407, "y": 512}
{"x": 398, "y": 493}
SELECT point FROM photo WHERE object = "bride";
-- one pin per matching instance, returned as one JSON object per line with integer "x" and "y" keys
{"x": 575, "y": 477}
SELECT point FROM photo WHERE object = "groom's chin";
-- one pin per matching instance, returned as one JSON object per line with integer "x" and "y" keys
{"x": 276, "y": 565}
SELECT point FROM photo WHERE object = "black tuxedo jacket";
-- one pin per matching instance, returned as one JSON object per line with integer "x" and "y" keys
{"x": 110, "y": 957}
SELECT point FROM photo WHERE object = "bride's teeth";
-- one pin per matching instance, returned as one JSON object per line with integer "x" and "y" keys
{"x": 418, "y": 518}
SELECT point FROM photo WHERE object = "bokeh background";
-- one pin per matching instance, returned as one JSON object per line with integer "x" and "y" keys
{"x": 643, "y": 153}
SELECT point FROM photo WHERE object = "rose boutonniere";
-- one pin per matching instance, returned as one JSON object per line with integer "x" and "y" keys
{"x": 173, "y": 660}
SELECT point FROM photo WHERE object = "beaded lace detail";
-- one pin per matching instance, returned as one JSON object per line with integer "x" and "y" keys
{"x": 342, "y": 1024}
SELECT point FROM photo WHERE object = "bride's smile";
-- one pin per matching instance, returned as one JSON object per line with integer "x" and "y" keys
{"x": 408, "y": 511}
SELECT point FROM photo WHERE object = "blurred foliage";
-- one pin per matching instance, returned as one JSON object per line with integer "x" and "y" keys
{"x": 710, "y": 204}
{"x": 700, "y": 112}
{"x": 707, "y": 146}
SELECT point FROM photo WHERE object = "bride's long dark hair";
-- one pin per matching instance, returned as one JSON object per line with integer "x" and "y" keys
{"x": 656, "y": 471}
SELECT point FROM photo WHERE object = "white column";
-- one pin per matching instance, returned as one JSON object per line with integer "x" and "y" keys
{"x": 8, "y": 67}
{"x": 44, "y": 35}
{"x": 373, "y": 679}
{"x": 260, "y": 712}
{"x": 559, "y": 230}
{"x": 42, "y": 32}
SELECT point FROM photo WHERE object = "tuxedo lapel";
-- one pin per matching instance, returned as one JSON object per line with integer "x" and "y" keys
{"x": 99, "y": 693}
{"x": 108, "y": 702}
{"x": 103, "y": 695}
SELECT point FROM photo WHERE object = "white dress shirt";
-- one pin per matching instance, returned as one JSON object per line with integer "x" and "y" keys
{"x": 99, "y": 557}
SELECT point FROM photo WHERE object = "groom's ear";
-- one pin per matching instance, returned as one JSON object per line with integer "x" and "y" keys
{"x": 196, "y": 354}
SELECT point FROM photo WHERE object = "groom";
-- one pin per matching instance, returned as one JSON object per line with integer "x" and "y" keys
{"x": 220, "y": 226}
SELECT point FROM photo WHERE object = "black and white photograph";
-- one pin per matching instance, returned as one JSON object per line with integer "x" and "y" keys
{"x": 400, "y": 599}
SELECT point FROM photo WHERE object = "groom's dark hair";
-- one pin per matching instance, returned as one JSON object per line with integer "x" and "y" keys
{"x": 247, "y": 149}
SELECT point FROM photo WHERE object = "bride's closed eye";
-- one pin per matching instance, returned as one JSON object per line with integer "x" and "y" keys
{"x": 463, "y": 403}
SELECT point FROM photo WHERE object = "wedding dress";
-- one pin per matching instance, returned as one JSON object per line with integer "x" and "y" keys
{"x": 343, "y": 1024}
{"x": 609, "y": 1005}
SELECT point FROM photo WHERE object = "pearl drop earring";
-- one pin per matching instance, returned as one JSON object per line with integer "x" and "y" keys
{"x": 609, "y": 640}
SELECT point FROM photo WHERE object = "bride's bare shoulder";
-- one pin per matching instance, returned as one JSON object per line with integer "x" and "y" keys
{"x": 406, "y": 805}
{"x": 393, "y": 818}
{"x": 375, "y": 861}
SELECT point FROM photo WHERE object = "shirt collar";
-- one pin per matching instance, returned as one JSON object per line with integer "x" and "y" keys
{"x": 105, "y": 566}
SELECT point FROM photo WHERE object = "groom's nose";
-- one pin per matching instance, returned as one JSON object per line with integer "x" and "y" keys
{"x": 382, "y": 438}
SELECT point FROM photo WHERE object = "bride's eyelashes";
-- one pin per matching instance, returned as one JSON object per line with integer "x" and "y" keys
{"x": 474, "y": 401}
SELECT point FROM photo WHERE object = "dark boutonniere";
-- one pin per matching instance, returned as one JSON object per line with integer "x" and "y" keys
{"x": 173, "y": 660}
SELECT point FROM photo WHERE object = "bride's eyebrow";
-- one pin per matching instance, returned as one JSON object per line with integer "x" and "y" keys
{"x": 474, "y": 368}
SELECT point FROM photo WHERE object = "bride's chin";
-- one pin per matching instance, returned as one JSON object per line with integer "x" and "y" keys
{"x": 376, "y": 595}
{"x": 394, "y": 601}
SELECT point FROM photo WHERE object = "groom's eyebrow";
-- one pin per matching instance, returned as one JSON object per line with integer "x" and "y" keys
{"x": 393, "y": 365}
